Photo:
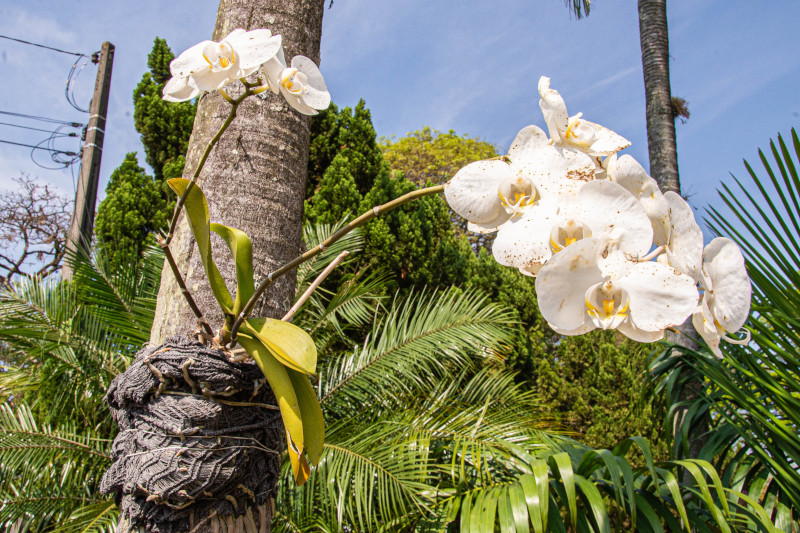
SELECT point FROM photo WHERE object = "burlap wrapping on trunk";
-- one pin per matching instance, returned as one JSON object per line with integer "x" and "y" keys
{"x": 190, "y": 447}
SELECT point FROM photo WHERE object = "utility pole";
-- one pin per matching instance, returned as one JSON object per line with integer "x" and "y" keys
{"x": 82, "y": 222}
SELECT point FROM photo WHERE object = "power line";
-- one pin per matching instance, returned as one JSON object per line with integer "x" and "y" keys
{"x": 42, "y": 46}
{"x": 43, "y": 119}
{"x": 35, "y": 129}
{"x": 71, "y": 154}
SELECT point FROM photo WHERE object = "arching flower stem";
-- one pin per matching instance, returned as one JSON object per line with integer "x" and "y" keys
{"x": 288, "y": 267}
{"x": 652, "y": 254}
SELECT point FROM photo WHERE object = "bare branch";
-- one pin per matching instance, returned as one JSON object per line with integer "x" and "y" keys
{"x": 33, "y": 229}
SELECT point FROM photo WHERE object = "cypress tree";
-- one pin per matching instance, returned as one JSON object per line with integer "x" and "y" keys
{"x": 123, "y": 222}
{"x": 165, "y": 127}
{"x": 337, "y": 195}
{"x": 131, "y": 210}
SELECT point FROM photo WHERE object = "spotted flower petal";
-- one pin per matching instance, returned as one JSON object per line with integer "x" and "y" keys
{"x": 592, "y": 139}
{"x": 685, "y": 244}
{"x": 724, "y": 266}
{"x": 524, "y": 242}
{"x": 628, "y": 173}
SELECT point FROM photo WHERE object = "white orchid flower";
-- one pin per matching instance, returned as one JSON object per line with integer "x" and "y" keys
{"x": 592, "y": 139}
{"x": 579, "y": 290}
{"x": 301, "y": 84}
{"x": 725, "y": 305}
{"x": 490, "y": 193}
{"x": 627, "y": 172}
{"x": 209, "y": 65}
{"x": 601, "y": 209}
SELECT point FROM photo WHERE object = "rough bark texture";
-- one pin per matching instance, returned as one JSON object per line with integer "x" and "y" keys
{"x": 254, "y": 180}
{"x": 661, "y": 142}
{"x": 255, "y": 177}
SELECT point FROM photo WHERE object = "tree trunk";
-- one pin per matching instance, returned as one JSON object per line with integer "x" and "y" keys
{"x": 662, "y": 146}
{"x": 661, "y": 143}
{"x": 255, "y": 177}
{"x": 254, "y": 180}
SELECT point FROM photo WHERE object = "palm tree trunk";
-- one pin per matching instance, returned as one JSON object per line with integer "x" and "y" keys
{"x": 654, "y": 38}
{"x": 254, "y": 181}
{"x": 255, "y": 177}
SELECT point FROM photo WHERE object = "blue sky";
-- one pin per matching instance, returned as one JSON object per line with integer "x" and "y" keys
{"x": 467, "y": 65}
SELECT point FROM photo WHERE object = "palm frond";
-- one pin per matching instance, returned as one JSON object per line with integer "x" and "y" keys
{"x": 753, "y": 394}
{"x": 417, "y": 343}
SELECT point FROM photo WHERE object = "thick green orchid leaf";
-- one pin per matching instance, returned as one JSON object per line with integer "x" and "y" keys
{"x": 290, "y": 345}
{"x": 197, "y": 212}
{"x": 311, "y": 412}
{"x": 242, "y": 251}
{"x": 282, "y": 386}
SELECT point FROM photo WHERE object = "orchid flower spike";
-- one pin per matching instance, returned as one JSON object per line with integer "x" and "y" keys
{"x": 725, "y": 305}
{"x": 592, "y": 139}
{"x": 301, "y": 84}
{"x": 209, "y": 65}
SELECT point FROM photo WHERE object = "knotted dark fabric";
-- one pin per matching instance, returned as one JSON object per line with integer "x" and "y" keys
{"x": 198, "y": 434}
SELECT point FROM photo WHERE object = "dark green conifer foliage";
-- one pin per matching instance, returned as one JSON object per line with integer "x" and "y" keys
{"x": 132, "y": 208}
{"x": 358, "y": 141}
{"x": 123, "y": 222}
{"x": 165, "y": 127}
{"x": 594, "y": 382}
{"x": 337, "y": 195}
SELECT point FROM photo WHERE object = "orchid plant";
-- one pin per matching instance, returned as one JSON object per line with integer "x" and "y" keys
{"x": 608, "y": 249}
{"x": 285, "y": 353}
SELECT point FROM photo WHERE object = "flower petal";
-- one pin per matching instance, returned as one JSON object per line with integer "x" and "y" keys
{"x": 296, "y": 101}
{"x": 316, "y": 98}
{"x": 254, "y": 48}
{"x": 190, "y": 60}
{"x": 555, "y": 170}
{"x": 685, "y": 245}
{"x": 208, "y": 80}
{"x": 626, "y": 171}
{"x": 703, "y": 321}
{"x": 554, "y": 110}
{"x": 604, "y": 142}
{"x": 614, "y": 213}
{"x": 660, "y": 296}
{"x": 562, "y": 283}
{"x": 272, "y": 70}
{"x": 724, "y": 265}
{"x": 630, "y": 330}
{"x": 311, "y": 70}
{"x": 528, "y": 141}
{"x": 525, "y": 242}
{"x": 180, "y": 89}
{"x": 472, "y": 192}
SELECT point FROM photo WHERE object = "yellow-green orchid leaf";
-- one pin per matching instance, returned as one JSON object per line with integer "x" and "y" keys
{"x": 197, "y": 212}
{"x": 242, "y": 251}
{"x": 280, "y": 383}
{"x": 289, "y": 344}
{"x": 311, "y": 412}
{"x": 300, "y": 468}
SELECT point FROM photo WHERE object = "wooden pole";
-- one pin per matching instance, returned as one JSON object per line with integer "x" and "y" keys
{"x": 82, "y": 222}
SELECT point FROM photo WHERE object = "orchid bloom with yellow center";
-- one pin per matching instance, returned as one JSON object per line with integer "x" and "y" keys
{"x": 590, "y": 285}
{"x": 301, "y": 84}
{"x": 209, "y": 65}
{"x": 588, "y": 137}
{"x": 600, "y": 209}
